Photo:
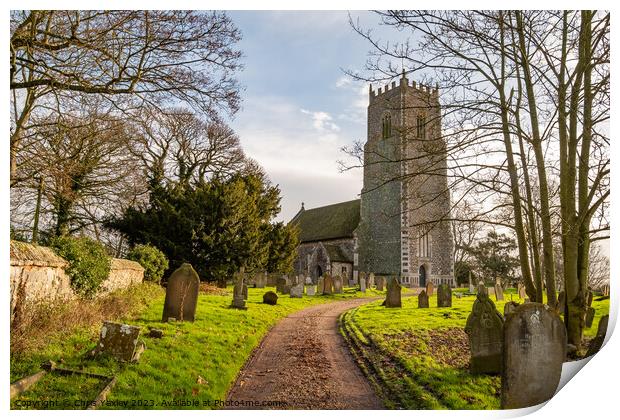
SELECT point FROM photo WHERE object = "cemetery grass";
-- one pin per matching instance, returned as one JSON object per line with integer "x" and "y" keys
{"x": 419, "y": 358}
{"x": 196, "y": 361}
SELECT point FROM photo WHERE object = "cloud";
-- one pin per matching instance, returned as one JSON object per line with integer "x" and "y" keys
{"x": 322, "y": 121}
{"x": 357, "y": 99}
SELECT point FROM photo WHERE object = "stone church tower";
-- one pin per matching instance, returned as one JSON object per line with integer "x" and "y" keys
{"x": 405, "y": 198}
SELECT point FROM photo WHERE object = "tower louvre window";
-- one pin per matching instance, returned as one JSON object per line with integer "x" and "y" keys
{"x": 421, "y": 127}
{"x": 387, "y": 126}
{"x": 424, "y": 245}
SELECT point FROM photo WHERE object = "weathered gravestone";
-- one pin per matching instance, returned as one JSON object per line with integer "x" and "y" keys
{"x": 499, "y": 292}
{"x": 297, "y": 291}
{"x": 371, "y": 280}
{"x": 119, "y": 341}
{"x": 597, "y": 342}
{"x": 589, "y": 316}
{"x": 521, "y": 291}
{"x": 444, "y": 296}
{"x": 320, "y": 285}
{"x": 260, "y": 280}
{"x": 423, "y": 299}
{"x": 534, "y": 350}
{"x": 240, "y": 293}
{"x": 510, "y": 307}
{"x": 270, "y": 298}
{"x": 393, "y": 295}
{"x": 430, "y": 288}
{"x": 310, "y": 290}
{"x": 380, "y": 283}
{"x": 337, "y": 284}
{"x": 363, "y": 284}
{"x": 482, "y": 289}
{"x": 484, "y": 328}
{"x": 328, "y": 285}
{"x": 181, "y": 294}
{"x": 282, "y": 285}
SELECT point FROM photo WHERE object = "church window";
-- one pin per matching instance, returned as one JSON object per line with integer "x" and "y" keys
{"x": 424, "y": 245}
{"x": 387, "y": 126}
{"x": 421, "y": 127}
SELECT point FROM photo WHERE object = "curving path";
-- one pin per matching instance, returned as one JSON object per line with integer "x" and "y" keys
{"x": 305, "y": 363}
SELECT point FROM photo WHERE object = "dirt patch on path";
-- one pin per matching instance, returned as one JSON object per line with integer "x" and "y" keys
{"x": 305, "y": 363}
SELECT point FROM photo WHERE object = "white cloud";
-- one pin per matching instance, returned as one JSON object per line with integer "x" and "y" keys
{"x": 322, "y": 121}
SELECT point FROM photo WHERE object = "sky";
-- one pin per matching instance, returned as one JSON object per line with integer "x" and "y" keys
{"x": 299, "y": 109}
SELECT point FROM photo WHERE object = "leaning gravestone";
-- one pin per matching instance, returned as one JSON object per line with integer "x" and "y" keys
{"x": 499, "y": 292}
{"x": 181, "y": 294}
{"x": 430, "y": 289}
{"x": 371, "y": 280}
{"x": 363, "y": 284}
{"x": 423, "y": 299}
{"x": 297, "y": 291}
{"x": 119, "y": 341}
{"x": 444, "y": 296}
{"x": 597, "y": 342}
{"x": 328, "y": 285}
{"x": 393, "y": 295}
{"x": 338, "y": 284}
{"x": 310, "y": 290}
{"x": 589, "y": 316}
{"x": 320, "y": 285}
{"x": 484, "y": 328}
{"x": 510, "y": 307}
{"x": 270, "y": 298}
{"x": 534, "y": 350}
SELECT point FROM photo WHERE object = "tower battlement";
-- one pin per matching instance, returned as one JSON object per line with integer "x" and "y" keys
{"x": 433, "y": 93}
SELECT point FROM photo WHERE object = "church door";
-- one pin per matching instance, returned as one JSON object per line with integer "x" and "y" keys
{"x": 422, "y": 276}
{"x": 319, "y": 271}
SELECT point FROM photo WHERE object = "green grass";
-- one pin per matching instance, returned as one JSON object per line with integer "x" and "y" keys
{"x": 417, "y": 358}
{"x": 213, "y": 348}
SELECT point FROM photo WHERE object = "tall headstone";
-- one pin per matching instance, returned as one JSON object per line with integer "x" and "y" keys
{"x": 328, "y": 285}
{"x": 240, "y": 293}
{"x": 310, "y": 290}
{"x": 371, "y": 280}
{"x": 379, "y": 281}
{"x": 471, "y": 285}
{"x": 181, "y": 294}
{"x": 430, "y": 288}
{"x": 297, "y": 291}
{"x": 534, "y": 350}
{"x": 499, "y": 292}
{"x": 423, "y": 299}
{"x": 484, "y": 328}
{"x": 444, "y": 296}
{"x": 320, "y": 285}
{"x": 337, "y": 284}
{"x": 363, "y": 284}
{"x": 597, "y": 342}
{"x": 393, "y": 295}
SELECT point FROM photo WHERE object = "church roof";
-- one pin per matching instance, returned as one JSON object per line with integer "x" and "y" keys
{"x": 338, "y": 253}
{"x": 328, "y": 222}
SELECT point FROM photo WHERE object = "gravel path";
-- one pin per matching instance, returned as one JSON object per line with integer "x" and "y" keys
{"x": 305, "y": 363}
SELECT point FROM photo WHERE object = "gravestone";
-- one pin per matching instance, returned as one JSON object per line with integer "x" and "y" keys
{"x": 521, "y": 291}
{"x": 471, "y": 285}
{"x": 261, "y": 280}
{"x": 308, "y": 280}
{"x": 282, "y": 285}
{"x": 510, "y": 307}
{"x": 380, "y": 283}
{"x": 119, "y": 341}
{"x": 393, "y": 295}
{"x": 181, "y": 294}
{"x": 423, "y": 299}
{"x": 371, "y": 280}
{"x": 484, "y": 328}
{"x": 597, "y": 342}
{"x": 534, "y": 350}
{"x": 240, "y": 293}
{"x": 472, "y": 289}
{"x": 310, "y": 290}
{"x": 297, "y": 291}
{"x": 444, "y": 296}
{"x": 490, "y": 291}
{"x": 430, "y": 288}
{"x": 499, "y": 292}
{"x": 363, "y": 284}
{"x": 482, "y": 289}
{"x": 320, "y": 285}
{"x": 328, "y": 285}
{"x": 560, "y": 306}
{"x": 270, "y": 298}
{"x": 337, "y": 284}
{"x": 360, "y": 276}
{"x": 589, "y": 316}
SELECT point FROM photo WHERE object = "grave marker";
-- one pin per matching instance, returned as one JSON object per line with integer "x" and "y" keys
{"x": 181, "y": 294}
{"x": 484, "y": 328}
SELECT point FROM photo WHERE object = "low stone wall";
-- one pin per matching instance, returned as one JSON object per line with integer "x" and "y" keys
{"x": 38, "y": 274}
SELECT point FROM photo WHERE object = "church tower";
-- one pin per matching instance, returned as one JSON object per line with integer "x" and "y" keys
{"x": 405, "y": 200}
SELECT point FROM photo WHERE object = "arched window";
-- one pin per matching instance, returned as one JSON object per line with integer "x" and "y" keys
{"x": 421, "y": 127}
{"x": 387, "y": 126}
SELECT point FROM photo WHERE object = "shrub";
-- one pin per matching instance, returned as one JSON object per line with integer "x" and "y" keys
{"x": 151, "y": 259}
{"x": 89, "y": 263}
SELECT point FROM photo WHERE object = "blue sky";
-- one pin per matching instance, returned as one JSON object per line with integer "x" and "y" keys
{"x": 299, "y": 108}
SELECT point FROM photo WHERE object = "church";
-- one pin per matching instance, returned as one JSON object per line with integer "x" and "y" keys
{"x": 400, "y": 224}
